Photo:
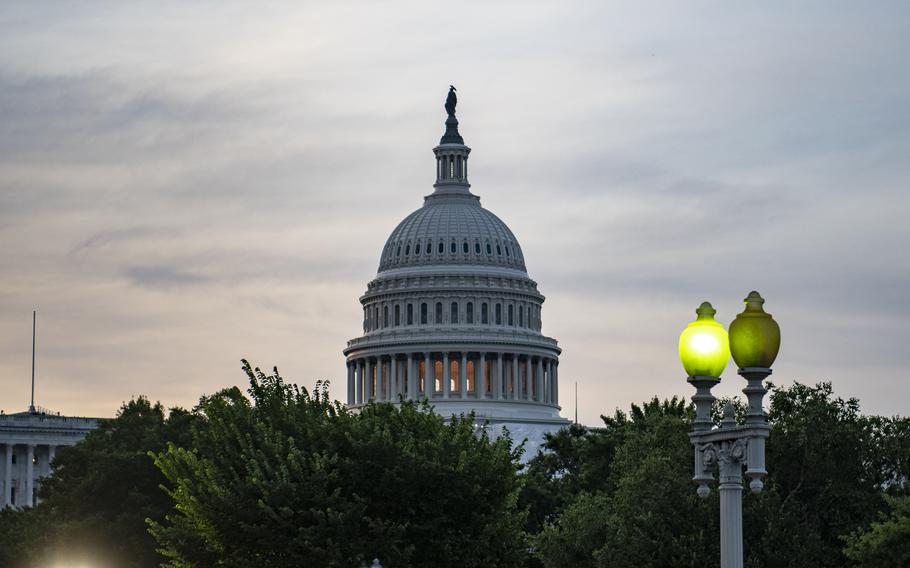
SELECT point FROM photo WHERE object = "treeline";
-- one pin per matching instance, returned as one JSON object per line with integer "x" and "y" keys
{"x": 283, "y": 477}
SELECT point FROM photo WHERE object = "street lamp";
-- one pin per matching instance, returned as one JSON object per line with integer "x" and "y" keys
{"x": 704, "y": 349}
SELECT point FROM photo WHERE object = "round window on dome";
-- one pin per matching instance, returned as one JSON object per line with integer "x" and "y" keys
{"x": 476, "y": 248}
{"x": 454, "y": 249}
{"x": 442, "y": 247}
{"x": 489, "y": 249}
{"x": 417, "y": 249}
{"x": 465, "y": 247}
{"x": 429, "y": 248}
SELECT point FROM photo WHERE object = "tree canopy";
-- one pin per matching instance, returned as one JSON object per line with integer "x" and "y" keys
{"x": 281, "y": 476}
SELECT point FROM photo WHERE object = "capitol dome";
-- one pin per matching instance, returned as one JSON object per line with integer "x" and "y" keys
{"x": 451, "y": 230}
{"x": 452, "y": 315}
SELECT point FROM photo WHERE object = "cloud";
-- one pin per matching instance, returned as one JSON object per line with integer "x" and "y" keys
{"x": 208, "y": 182}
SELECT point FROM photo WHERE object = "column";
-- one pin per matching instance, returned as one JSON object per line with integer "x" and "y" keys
{"x": 368, "y": 381}
{"x": 480, "y": 380}
{"x": 529, "y": 378}
{"x": 463, "y": 375}
{"x": 550, "y": 367}
{"x": 29, "y": 475}
{"x": 358, "y": 379}
{"x": 394, "y": 389}
{"x": 8, "y": 476}
{"x": 429, "y": 376}
{"x": 412, "y": 378}
{"x": 516, "y": 378}
{"x": 497, "y": 386}
{"x": 731, "y": 511}
{"x": 555, "y": 382}
{"x": 380, "y": 387}
{"x": 539, "y": 374}
{"x": 350, "y": 383}
{"x": 446, "y": 375}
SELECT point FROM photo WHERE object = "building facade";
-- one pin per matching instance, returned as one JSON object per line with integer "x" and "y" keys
{"x": 28, "y": 444}
{"x": 452, "y": 315}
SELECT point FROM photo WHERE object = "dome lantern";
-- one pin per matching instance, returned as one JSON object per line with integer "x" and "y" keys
{"x": 451, "y": 155}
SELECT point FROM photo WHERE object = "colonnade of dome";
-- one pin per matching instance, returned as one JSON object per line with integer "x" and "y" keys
{"x": 445, "y": 375}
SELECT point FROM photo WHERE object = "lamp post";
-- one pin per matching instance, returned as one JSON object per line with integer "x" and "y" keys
{"x": 704, "y": 349}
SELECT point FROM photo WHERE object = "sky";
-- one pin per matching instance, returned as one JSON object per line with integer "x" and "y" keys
{"x": 186, "y": 184}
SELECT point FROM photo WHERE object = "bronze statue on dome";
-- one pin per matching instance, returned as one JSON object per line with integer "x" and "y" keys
{"x": 451, "y": 101}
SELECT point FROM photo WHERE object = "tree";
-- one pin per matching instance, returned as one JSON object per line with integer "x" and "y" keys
{"x": 286, "y": 478}
{"x": 102, "y": 490}
{"x": 831, "y": 469}
{"x": 644, "y": 512}
{"x": 884, "y": 543}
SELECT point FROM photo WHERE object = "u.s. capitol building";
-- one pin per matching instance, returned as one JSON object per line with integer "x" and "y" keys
{"x": 453, "y": 316}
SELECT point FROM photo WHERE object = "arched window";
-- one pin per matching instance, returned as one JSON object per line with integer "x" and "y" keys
{"x": 376, "y": 317}
{"x": 410, "y": 319}
{"x": 454, "y": 247}
{"x": 469, "y": 313}
{"x": 423, "y": 313}
{"x": 511, "y": 314}
{"x": 407, "y": 250}
{"x": 397, "y": 314}
{"x": 507, "y": 250}
{"x": 429, "y": 247}
{"x": 521, "y": 316}
{"x": 476, "y": 248}
{"x": 498, "y": 314}
{"x": 442, "y": 247}
{"x": 385, "y": 316}
{"x": 464, "y": 248}
{"x": 484, "y": 316}
{"x": 417, "y": 249}
{"x": 399, "y": 251}
{"x": 489, "y": 249}
{"x": 438, "y": 312}
{"x": 453, "y": 315}
{"x": 498, "y": 250}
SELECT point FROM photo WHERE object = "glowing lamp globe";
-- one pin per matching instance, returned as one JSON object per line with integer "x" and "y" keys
{"x": 703, "y": 346}
{"x": 754, "y": 335}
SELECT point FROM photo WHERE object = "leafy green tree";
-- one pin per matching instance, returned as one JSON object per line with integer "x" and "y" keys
{"x": 102, "y": 490}
{"x": 645, "y": 511}
{"x": 885, "y": 543}
{"x": 830, "y": 471}
{"x": 286, "y": 478}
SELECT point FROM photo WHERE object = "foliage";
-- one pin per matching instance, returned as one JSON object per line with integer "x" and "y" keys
{"x": 641, "y": 513}
{"x": 884, "y": 543}
{"x": 287, "y": 478}
{"x": 95, "y": 504}
{"x": 830, "y": 471}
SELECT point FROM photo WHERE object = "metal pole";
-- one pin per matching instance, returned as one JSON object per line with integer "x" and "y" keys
{"x": 576, "y": 402}
{"x": 31, "y": 407}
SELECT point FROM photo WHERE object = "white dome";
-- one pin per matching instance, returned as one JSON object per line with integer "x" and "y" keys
{"x": 451, "y": 230}
{"x": 452, "y": 315}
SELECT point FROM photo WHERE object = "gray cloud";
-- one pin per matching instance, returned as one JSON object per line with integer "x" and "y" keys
{"x": 210, "y": 181}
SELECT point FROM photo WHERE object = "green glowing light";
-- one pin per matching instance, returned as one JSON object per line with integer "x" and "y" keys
{"x": 703, "y": 346}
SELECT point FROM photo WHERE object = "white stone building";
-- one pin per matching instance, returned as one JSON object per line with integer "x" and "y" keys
{"x": 453, "y": 316}
{"x": 28, "y": 444}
